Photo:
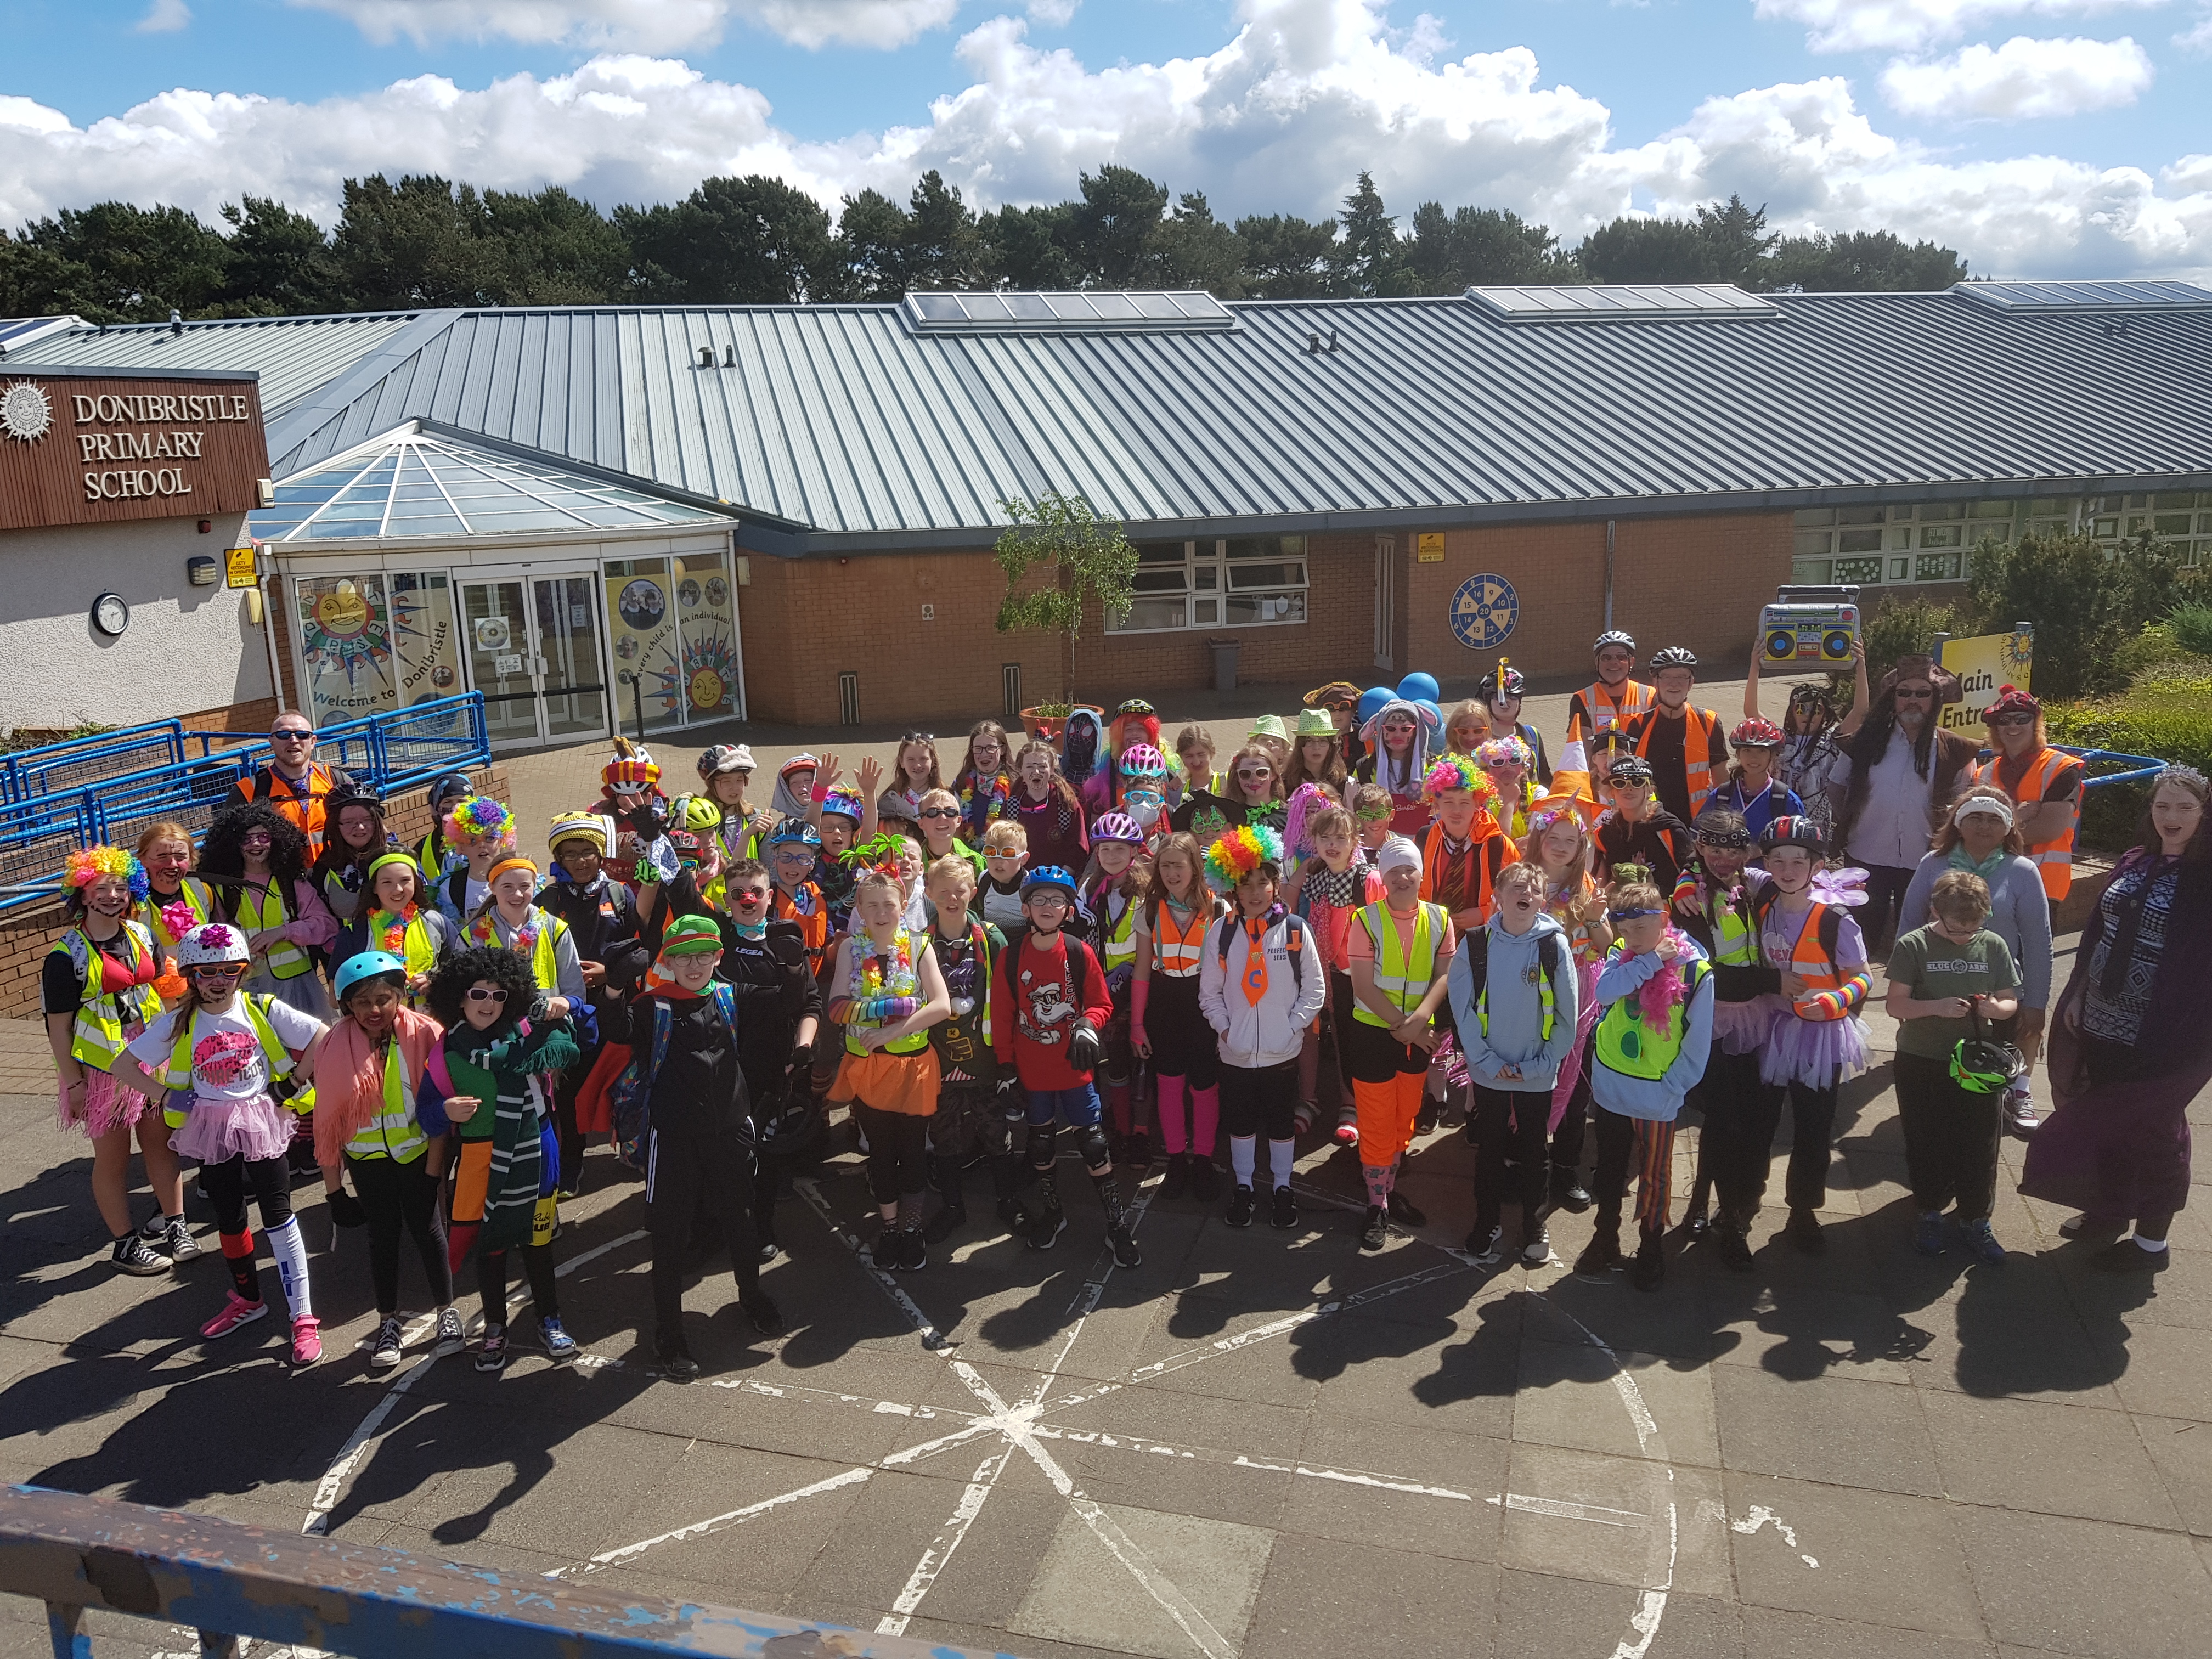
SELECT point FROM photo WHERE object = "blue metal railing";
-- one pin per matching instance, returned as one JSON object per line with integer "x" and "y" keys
{"x": 389, "y": 753}
{"x": 77, "y": 761}
{"x": 229, "y": 1581}
{"x": 2137, "y": 768}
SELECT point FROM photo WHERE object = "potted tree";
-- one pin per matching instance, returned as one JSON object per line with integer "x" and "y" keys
{"x": 1078, "y": 559}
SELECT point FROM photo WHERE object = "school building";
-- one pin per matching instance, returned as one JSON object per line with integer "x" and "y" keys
{"x": 596, "y": 515}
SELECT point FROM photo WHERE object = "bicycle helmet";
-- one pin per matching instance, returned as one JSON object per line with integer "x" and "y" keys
{"x": 794, "y": 832}
{"x": 686, "y": 846}
{"x": 1982, "y": 1067}
{"x": 1117, "y": 826}
{"x": 726, "y": 757}
{"x": 1141, "y": 760}
{"x": 1800, "y": 832}
{"x": 1503, "y": 681}
{"x": 845, "y": 804}
{"x": 1615, "y": 636}
{"x": 1673, "y": 656}
{"x": 1048, "y": 876}
{"x": 1629, "y": 769}
{"x": 698, "y": 815}
{"x": 1757, "y": 733}
{"x": 366, "y": 964}
{"x": 212, "y": 943}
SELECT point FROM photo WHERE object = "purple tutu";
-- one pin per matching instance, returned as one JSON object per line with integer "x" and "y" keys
{"x": 216, "y": 1130}
{"x": 1743, "y": 1028}
{"x": 1818, "y": 1053}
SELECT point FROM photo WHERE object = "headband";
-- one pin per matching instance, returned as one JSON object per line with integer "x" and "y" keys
{"x": 383, "y": 858}
{"x": 1630, "y": 915}
{"x": 1990, "y": 805}
{"x": 511, "y": 862}
{"x": 1712, "y": 836}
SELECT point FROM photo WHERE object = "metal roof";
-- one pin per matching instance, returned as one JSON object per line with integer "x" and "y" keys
{"x": 2020, "y": 297}
{"x": 296, "y": 355}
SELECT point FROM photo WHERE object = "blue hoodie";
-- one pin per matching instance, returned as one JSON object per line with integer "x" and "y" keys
{"x": 1658, "y": 1099}
{"x": 1517, "y": 1008}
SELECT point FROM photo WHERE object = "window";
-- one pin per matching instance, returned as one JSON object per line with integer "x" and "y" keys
{"x": 1244, "y": 581}
{"x": 2168, "y": 515}
{"x": 1895, "y": 546}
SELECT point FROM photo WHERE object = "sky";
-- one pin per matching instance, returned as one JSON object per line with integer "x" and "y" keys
{"x": 2038, "y": 137}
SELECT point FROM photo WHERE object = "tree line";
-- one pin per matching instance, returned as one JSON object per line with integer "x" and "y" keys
{"x": 425, "y": 241}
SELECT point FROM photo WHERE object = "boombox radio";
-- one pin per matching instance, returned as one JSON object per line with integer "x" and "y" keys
{"x": 1809, "y": 627}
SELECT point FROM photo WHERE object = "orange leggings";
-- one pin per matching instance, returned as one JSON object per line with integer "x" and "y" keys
{"x": 1387, "y": 1112}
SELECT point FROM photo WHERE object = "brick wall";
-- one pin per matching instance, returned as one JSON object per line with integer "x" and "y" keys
{"x": 25, "y": 938}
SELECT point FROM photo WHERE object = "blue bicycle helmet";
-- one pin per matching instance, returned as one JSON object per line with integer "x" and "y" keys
{"x": 794, "y": 831}
{"x": 367, "y": 964}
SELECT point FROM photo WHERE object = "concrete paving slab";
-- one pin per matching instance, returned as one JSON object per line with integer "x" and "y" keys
{"x": 1881, "y": 1559}
{"x": 1805, "y": 1635}
{"x": 1325, "y": 1596}
{"x": 2088, "y": 1587}
{"x": 1564, "y": 1389}
{"x": 1185, "y": 1570}
{"x": 1827, "y": 1428}
{"x": 2052, "y": 1459}
{"x": 2181, "y": 1451}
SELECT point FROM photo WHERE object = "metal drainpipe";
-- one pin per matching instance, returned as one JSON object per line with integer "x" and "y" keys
{"x": 269, "y": 640}
{"x": 1608, "y": 575}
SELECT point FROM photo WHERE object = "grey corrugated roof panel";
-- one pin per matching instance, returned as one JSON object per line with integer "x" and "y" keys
{"x": 296, "y": 355}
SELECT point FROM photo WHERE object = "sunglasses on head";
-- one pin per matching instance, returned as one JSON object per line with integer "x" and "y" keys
{"x": 480, "y": 994}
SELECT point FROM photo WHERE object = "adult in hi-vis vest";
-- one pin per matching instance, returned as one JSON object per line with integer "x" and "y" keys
{"x": 1611, "y": 700}
{"x": 2046, "y": 786}
{"x": 1686, "y": 747}
{"x": 101, "y": 987}
{"x": 294, "y": 781}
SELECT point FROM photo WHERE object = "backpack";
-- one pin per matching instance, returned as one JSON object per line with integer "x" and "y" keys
{"x": 1294, "y": 936}
{"x": 1550, "y": 951}
{"x": 630, "y": 1098}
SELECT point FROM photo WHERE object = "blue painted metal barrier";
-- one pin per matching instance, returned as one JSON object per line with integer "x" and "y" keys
{"x": 229, "y": 1581}
{"x": 2135, "y": 768}
{"x": 389, "y": 753}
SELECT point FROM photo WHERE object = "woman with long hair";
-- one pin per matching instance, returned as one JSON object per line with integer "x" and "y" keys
{"x": 1255, "y": 796}
{"x": 1467, "y": 727}
{"x": 1049, "y": 810}
{"x": 1558, "y": 843}
{"x": 985, "y": 781}
{"x": 1317, "y": 755}
{"x": 256, "y": 860}
{"x": 1905, "y": 770}
{"x": 101, "y": 987}
{"x": 2131, "y": 1046}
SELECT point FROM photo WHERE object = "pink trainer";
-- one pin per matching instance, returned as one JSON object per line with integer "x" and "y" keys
{"x": 236, "y": 1311}
{"x": 306, "y": 1340}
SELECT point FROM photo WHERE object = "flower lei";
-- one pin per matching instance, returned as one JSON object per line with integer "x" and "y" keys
{"x": 871, "y": 980}
{"x": 390, "y": 930}
{"x": 992, "y": 796}
{"x": 484, "y": 931}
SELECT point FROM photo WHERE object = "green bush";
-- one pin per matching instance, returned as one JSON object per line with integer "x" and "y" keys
{"x": 2190, "y": 627}
{"x": 2087, "y": 603}
{"x": 2167, "y": 714}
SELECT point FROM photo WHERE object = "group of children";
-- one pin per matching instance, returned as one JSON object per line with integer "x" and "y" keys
{"x": 1364, "y": 912}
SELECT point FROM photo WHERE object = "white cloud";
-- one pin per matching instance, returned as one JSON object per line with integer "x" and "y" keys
{"x": 1054, "y": 13}
{"x": 1279, "y": 119}
{"x": 2020, "y": 80}
{"x": 164, "y": 17}
{"x": 2198, "y": 39}
{"x": 1915, "y": 25}
{"x": 639, "y": 25}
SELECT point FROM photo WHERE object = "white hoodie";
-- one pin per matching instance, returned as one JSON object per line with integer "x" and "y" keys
{"x": 1273, "y": 1030}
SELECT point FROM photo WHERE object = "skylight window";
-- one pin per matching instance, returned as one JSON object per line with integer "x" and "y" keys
{"x": 2032, "y": 298}
{"x": 1622, "y": 302}
{"x": 1102, "y": 311}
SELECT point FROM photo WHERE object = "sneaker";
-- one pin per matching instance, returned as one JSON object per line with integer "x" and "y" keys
{"x": 450, "y": 1338}
{"x": 177, "y": 1241}
{"x": 1734, "y": 1248}
{"x": 1804, "y": 1232}
{"x": 677, "y": 1364}
{"x": 492, "y": 1355}
{"x": 384, "y": 1351}
{"x": 560, "y": 1346}
{"x": 1123, "y": 1244}
{"x": 1205, "y": 1179}
{"x": 1650, "y": 1268}
{"x": 2020, "y": 1118}
{"x": 2126, "y": 1256}
{"x": 917, "y": 1250}
{"x": 1984, "y": 1243}
{"x": 889, "y": 1251}
{"x": 1928, "y": 1233}
{"x": 1284, "y": 1209}
{"x": 1600, "y": 1257}
{"x": 1573, "y": 1197}
{"x": 134, "y": 1255}
{"x": 307, "y": 1341}
{"x": 759, "y": 1307}
{"x": 236, "y": 1311}
{"x": 1487, "y": 1246}
{"x": 1347, "y": 1126}
{"x": 1376, "y": 1233}
{"x": 1240, "y": 1206}
{"x": 1425, "y": 1123}
{"x": 1403, "y": 1212}
{"x": 1697, "y": 1224}
{"x": 1536, "y": 1252}
{"x": 1009, "y": 1215}
{"x": 1176, "y": 1181}
{"x": 1045, "y": 1227}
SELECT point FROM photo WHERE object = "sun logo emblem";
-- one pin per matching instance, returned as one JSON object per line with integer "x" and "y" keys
{"x": 25, "y": 413}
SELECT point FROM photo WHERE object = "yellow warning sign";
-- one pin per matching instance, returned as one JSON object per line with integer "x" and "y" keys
{"x": 1428, "y": 547}
{"x": 238, "y": 562}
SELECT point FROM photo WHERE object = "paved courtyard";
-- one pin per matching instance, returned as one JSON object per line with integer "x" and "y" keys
{"x": 1258, "y": 1443}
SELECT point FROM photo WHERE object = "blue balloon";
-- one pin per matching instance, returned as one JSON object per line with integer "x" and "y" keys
{"x": 1371, "y": 701}
{"x": 1418, "y": 687}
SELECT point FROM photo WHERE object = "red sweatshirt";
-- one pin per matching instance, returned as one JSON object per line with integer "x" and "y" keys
{"x": 1038, "y": 994}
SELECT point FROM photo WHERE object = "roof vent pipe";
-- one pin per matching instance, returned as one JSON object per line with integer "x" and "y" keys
{"x": 706, "y": 356}
{"x": 176, "y": 324}
{"x": 1333, "y": 345}
{"x": 730, "y": 355}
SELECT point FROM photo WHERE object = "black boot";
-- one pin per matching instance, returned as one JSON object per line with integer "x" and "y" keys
{"x": 1043, "y": 1220}
{"x": 953, "y": 1212}
{"x": 1176, "y": 1181}
{"x": 1124, "y": 1243}
{"x": 1602, "y": 1255}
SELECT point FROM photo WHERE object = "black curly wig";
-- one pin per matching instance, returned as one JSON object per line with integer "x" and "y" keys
{"x": 220, "y": 856}
{"x": 449, "y": 992}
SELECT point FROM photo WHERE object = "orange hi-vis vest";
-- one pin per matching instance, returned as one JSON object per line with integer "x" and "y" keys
{"x": 1608, "y": 708}
{"x": 1481, "y": 860}
{"x": 813, "y": 923}
{"x": 307, "y": 810}
{"x": 2054, "y": 859}
{"x": 1811, "y": 960}
{"x": 1701, "y": 740}
{"x": 1176, "y": 949}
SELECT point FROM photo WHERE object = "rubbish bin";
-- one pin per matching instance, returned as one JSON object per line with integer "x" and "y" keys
{"x": 1225, "y": 664}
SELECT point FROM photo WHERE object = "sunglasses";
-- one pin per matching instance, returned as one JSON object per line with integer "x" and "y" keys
{"x": 1256, "y": 771}
{"x": 940, "y": 811}
{"x": 255, "y": 838}
{"x": 2013, "y": 720}
{"x": 478, "y": 994}
{"x": 291, "y": 736}
{"x": 746, "y": 895}
{"x": 219, "y": 970}
{"x": 1920, "y": 693}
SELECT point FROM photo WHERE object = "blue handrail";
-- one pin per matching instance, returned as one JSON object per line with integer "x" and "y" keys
{"x": 2139, "y": 767}
{"x": 228, "y": 1582}
{"x": 28, "y": 773}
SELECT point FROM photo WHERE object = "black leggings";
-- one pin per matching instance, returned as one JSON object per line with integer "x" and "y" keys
{"x": 491, "y": 1282}
{"x": 1737, "y": 1143}
{"x": 1259, "y": 1100}
{"x": 269, "y": 1180}
{"x": 898, "y": 1166}
{"x": 1183, "y": 1044}
{"x": 1880, "y": 921}
{"x": 685, "y": 1171}
{"x": 1529, "y": 1113}
{"x": 402, "y": 1197}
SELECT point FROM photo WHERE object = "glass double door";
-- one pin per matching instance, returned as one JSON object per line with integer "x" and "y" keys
{"x": 533, "y": 648}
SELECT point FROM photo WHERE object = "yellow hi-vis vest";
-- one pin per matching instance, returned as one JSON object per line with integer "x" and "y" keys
{"x": 1627, "y": 1045}
{"x": 895, "y": 984}
{"x": 393, "y": 1132}
{"x": 195, "y": 896}
{"x": 1735, "y": 935}
{"x": 1402, "y": 975}
{"x": 1118, "y": 948}
{"x": 544, "y": 968}
{"x": 97, "y": 1037}
{"x": 176, "y": 1071}
{"x": 258, "y": 912}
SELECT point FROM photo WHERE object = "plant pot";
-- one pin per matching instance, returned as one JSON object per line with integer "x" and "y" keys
{"x": 1047, "y": 728}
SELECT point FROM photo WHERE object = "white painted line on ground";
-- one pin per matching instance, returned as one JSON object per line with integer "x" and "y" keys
{"x": 1559, "y": 1510}
{"x": 718, "y": 1523}
{"x": 939, "y": 1553}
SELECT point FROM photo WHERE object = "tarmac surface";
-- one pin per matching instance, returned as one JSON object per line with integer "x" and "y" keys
{"x": 1258, "y": 1444}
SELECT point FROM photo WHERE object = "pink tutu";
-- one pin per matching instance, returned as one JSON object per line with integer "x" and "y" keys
{"x": 108, "y": 1106}
{"x": 1743, "y": 1028}
{"x": 1819, "y": 1053}
{"x": 216, "y": 1130}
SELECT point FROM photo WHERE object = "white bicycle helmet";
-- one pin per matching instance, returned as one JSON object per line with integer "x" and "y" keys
{"x": 212, "y": 942}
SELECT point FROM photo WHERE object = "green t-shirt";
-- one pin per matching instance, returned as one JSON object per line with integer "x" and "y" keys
{"x": 1931, "y": 968}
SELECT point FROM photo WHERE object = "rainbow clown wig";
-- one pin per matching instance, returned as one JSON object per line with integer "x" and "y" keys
{"x": 1452, "y": 770}
{"x": 1238, "y": 853}
{"x": 91, "y": 864}
{"x": 477, "y": 818}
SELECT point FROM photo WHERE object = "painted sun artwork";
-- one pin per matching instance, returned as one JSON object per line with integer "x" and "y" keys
{"x": 346, "y": 631}
{"x": 709, "y": 670}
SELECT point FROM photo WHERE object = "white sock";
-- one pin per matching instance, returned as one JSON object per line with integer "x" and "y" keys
{"x": 1282, "y": 1154}
{"x": 2156, "y": 1246}
{"x": 1242, "y": 1149}
{"x": 291, "y": 1253}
